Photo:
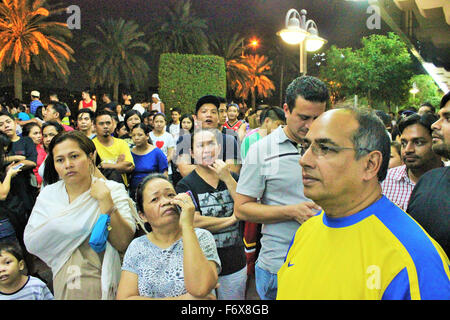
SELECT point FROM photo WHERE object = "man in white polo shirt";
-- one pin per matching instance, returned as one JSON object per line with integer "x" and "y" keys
{"x": 270, "y": 173}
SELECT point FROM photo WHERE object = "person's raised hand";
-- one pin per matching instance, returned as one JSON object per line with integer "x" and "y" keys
{"x": 221, "y": 168}
{"x": 99, "y": 190}
{"x": 184, "y": 201}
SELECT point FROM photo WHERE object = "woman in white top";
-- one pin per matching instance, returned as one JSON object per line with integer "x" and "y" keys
{"x": 157, "y": 104}
{"x": 163, "y": 139}
{"x": 64, "y": 216}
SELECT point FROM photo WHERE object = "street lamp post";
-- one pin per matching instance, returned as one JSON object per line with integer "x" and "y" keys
{"x": 414, "y": 90}
{"x": 304, "y": 32}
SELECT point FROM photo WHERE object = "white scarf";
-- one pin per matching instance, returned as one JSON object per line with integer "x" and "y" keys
{"x": 56, "y": 229}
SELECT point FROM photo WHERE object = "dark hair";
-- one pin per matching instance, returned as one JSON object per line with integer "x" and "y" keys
{"x": 102, "y": 112}
{"x": 273, "y": 113}
{"x": 233, "y": 105}
{"x": 119, "y": 126}
{"x": 429, "y": 105}
{"x": 426, "y": 120}
{"x": 85, "y": 144}
{"x": 5, "y": 113}
{"x": 4, "y": 142}
{"x": 13, "y": 249}
{"x": 395, "y": 132}
{"x": 16, "y": 103}
{"x": 143, "y": 126}
{"x": 444, "y": 100}
{"x": 384, "y": 117}
{"x": 87, "y": 90}
{"x": 26, "y": 129}
{"x": 107, "y": 94}
{"x": 140, "y": 189}
{"x": 88, "y": 111}
{"x": 371, "y": 135}
{"x": 222, "y": 99}
{"x": 175, "y": 110}
{"x": 189, "y": 116}
{"x": 59, "y": 128}
{"x": 58, "y": 107}
{"x": 129, "y": 114}
{"x": 308, "y": 87}
{"x": 146, "y": 114}
{"x": 159, "y": 114}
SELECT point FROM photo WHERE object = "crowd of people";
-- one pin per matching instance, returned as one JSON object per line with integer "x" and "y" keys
{"x": 121, "y": 201}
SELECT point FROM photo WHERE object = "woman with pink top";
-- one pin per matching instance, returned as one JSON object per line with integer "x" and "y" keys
{"x": 33, "y": 130}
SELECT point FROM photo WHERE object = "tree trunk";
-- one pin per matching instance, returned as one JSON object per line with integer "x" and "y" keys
{"x": 253, "y": 92}
{"x": 116, "y": 91}
{"x": 18, "y": 81}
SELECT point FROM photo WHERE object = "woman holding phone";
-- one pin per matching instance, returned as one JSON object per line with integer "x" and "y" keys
{"x": 174, "y": 261}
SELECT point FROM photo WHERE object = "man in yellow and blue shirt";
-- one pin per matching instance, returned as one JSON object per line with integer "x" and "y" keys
{"x": 361, "y": 245}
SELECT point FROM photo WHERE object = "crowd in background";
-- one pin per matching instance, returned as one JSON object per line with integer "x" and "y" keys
{"x": 198, "y": 204}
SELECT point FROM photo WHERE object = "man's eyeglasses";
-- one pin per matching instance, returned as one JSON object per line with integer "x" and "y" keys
{"x": 321, "y": 149}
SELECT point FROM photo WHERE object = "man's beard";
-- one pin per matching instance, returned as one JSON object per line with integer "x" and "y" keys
{"x": 442, "y": 149}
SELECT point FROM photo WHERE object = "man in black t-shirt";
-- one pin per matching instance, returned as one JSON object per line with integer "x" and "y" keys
{"x": 108, "y": 103}
{"x": 429, "y": 203}
{"x": 206, "y": 111}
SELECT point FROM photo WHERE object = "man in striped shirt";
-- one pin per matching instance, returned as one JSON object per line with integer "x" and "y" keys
{"x": 418, "y": 158}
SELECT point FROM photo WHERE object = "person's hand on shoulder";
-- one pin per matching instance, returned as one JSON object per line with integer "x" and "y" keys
{"x": 304, "y": 210}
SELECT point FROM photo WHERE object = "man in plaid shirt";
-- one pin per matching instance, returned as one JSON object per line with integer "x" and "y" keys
{"x": 418, "y": 158}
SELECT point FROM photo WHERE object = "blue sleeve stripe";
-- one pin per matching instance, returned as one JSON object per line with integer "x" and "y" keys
{"x": 398, "y": 289}
{"x": 433, "y": 280}
{"x": 290, "y": 245}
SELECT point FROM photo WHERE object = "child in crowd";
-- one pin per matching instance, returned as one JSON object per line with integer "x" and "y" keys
{"x": 13, "y": 284}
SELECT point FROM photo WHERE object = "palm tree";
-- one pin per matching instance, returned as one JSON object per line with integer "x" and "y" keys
{"x": 28, "y": 39}
{"x": 230, "y": 48}
{"x": 179, "y": 30}
{"x": 286, "y": 64}
{"x": 258, "y": 83}
{"x": 118, "y": 55}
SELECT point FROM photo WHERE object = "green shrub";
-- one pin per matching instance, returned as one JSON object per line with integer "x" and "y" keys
{"x": 184, "y": 78}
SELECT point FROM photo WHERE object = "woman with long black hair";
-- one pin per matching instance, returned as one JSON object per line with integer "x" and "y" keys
{"x": 7, "y": 173}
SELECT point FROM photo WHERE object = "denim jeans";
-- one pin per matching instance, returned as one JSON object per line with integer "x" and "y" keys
{"x": 266, "y": 284}
{"x": 232, "y": 286}
{"x": 7, "y": 233}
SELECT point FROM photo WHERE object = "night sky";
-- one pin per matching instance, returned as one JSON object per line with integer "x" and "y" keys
{"x": 342, "y": 23}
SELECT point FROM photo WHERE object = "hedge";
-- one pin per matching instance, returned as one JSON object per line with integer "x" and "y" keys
{"x": 184, "y": 78}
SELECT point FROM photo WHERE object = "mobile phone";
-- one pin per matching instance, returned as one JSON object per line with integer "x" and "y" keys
{"x": 20, "y": 165}
{"x": 189, "y": 192}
